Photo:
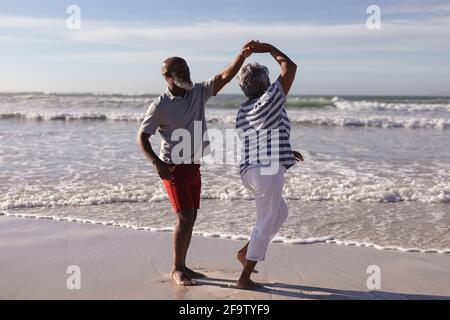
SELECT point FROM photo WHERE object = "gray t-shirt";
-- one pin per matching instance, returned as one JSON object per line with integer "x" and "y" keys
{"x": 181, "y": 123}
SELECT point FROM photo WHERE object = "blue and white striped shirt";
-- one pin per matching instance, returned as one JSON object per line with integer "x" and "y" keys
{"x": 264, "y": 129}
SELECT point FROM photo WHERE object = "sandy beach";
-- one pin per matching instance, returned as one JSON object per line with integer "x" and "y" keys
{"x": 121, "y": 263}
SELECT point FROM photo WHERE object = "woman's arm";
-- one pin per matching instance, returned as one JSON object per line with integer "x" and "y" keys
{"x": 288, "y": 67}
{"x": 232, "y": 69}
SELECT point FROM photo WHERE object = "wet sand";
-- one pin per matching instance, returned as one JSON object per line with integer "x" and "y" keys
{"x": 120, "y": 263}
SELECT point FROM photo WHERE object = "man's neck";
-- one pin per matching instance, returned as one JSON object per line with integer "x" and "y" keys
{"x": 177, "y": 92}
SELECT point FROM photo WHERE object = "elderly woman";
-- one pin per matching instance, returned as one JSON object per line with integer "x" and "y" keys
{"x": 264, "y": 129}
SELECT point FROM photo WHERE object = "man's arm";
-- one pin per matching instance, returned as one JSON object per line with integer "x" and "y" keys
{"x": 288, "y": 67}
{"x": 164, "y": 170}
{"x": 232, "y": 69}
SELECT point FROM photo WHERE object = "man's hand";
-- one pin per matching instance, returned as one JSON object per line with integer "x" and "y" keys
{"x": 164, "y": 170}
{"x": 298, "y": 156}
{"x": 247, "y": 49}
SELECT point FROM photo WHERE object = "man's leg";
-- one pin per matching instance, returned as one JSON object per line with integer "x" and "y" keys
{"x": 189, "y": 236}
{"x": 189, "y": 271}
{"x": 195, "y": 184}
{"x": 184, "y": 225}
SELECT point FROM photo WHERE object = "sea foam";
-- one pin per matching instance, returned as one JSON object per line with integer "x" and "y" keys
{"x": 281, "y": 240}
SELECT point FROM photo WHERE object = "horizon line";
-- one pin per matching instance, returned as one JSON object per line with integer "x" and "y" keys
{"x": 111, "y": 93}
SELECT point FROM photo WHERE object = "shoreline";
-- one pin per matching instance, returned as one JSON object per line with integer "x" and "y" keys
{"x": 122, "y": 263}
{"x": 237, "y": 94}
{"x": 217, "y": 235}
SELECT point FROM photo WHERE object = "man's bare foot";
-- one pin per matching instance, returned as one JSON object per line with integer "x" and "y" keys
{"x": 241, "y": 257}
{"x": 181, "y": 278}
{"x": 193, "y": 274}
{"x": 247, "y": 284}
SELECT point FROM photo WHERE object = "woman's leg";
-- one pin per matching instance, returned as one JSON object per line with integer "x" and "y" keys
{"x": 270, "y": 213}
{"x": 267, "y": 190}
{"x": 244, "y": 281}
{"x": 282, "y": 216}
{"x": 241, "y": 254}
{"x": 283, "y": 210}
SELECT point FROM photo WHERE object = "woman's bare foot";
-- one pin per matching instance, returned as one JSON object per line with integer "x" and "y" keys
{"x": 193, "y": 274}
{"x": 181, "y": 278}
{"x": 247, "y": 284}
{"x": 241, "y": 257}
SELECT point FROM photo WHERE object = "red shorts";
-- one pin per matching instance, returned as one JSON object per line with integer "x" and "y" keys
{"x": 184, "y": 188}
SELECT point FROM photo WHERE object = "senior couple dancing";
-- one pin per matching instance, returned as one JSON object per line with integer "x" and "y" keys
{"x": 181, "y": 106}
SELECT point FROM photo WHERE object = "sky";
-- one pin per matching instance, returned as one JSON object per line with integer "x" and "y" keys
{"x": 120, "y": 45}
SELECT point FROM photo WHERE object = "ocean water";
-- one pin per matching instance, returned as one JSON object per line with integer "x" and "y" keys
{"x": 376, "y": 170}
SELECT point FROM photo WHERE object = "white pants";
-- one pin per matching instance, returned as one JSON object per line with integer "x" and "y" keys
{"x": 271, "y": 210}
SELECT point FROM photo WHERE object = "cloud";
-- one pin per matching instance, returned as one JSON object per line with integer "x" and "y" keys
{"x": 129, "y": 57}
{"x": 34, "y": 23}
{"x": 442, "y": 9}
{"x": 331, "y": 56}
{"x": 398, "y": 35}
{"x": 216, "y": 37}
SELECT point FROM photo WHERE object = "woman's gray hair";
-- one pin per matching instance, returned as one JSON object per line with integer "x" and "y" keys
{"x": 253, "y": 79}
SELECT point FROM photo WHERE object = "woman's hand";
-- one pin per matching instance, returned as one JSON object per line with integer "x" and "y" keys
{"x": 298, "y": 156}
{"x": 259, "y": 47}
{"x": 288, "y": 67}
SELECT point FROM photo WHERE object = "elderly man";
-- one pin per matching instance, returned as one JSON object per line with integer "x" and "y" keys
{"x": 182, "y": 106}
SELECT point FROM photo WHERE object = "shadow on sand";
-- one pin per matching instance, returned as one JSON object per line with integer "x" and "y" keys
{"x": 317, "y": 293}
